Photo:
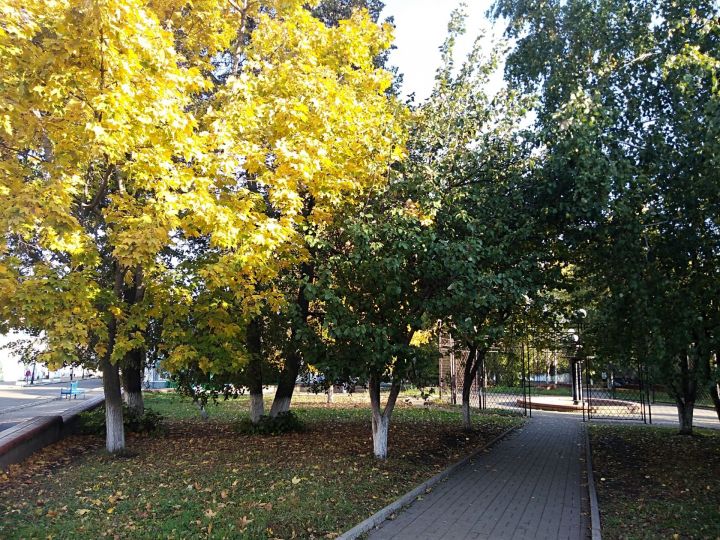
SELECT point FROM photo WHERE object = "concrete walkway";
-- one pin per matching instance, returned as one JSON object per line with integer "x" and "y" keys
{"x": 530, "y": 486}
{"x": 18, "y": 403}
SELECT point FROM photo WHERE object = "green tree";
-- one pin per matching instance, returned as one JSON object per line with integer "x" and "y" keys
{"x": 496, "y": 257}
{"x": 628, "y": 125}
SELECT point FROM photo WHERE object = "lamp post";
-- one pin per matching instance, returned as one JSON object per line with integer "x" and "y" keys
{"x": 576, "y": 360}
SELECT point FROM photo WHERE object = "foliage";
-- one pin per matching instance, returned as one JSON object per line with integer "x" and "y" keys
{"x": 285, "y": 422}
{"x": 309, "y": 143}
{"x": 93, "y": 422}
{"x": 627, "y": 128}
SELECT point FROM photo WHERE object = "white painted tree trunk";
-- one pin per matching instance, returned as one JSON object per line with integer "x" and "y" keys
{"x": 380, "y": 429}
{"x": 201, "y": 410}
{"x": 467, "y": 420}
{"x": 330, "y": 394}
{"x": 114, "y": 428}
{"x": 280, "y": 405}
{"x": 257, "y": 407}
{"x": 135, "y": 402}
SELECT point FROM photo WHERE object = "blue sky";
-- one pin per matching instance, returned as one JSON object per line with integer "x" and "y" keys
{"x": 421, "y": 27}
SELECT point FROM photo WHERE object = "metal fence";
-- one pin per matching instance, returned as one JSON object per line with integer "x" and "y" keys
{"x": 502, "y": 379}
{"x": 521, "y": 378}
{"x": 617, "y": 393}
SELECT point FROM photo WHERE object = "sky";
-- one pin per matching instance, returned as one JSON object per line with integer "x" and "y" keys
{"x": 421, "y": 27}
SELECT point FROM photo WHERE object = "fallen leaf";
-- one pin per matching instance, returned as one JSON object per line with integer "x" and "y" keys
{"x": 244, "y": 521}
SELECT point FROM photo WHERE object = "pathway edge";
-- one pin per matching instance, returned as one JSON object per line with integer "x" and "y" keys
{"x": 381, "y": 515}
{"x": 33, "y": 403}
{"x": 592, "y": 492}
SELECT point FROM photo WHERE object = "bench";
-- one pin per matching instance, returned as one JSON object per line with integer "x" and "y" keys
{"x": 73, "y": 391}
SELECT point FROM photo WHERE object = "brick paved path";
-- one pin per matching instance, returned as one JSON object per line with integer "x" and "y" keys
{"x": 529, "y": 486}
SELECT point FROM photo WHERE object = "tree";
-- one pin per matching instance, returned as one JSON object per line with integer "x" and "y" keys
{"x": 308, "y": 126}
{"x": 372, "y": 290}
{"x": 103, "y": 165}
{"x": 494, "y": 252}
{"x": 628, "y": 127}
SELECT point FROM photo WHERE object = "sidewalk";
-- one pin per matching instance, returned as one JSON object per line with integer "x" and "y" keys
{"x": 43, "y": 382}
{"x": 529, "y": 486}
{"x": 22, "y": 403}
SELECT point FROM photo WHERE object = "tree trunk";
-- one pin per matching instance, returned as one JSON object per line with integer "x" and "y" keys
{"x": 254, "y": 370}
{"x": 330, "y": 393}
{"x": 114, "y": 428}
{"x": 685, "y": 415}
{"x": 467, "y": 420}
{"x": 684, "y": 390}
{"x": 289, "y": 374}
{"x": 715, "y": 394}
{"x": 132, "y": 376}
{"x": 381, "y": 417}
{"x": 201, "y": 409}
{"x": 380, "y": 430}
{"x": 471, "y": 367}
{"x": 286, "y": 385}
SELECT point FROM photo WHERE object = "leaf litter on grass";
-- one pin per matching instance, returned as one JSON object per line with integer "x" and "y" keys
{"x": 653, "y": 483}
{"x": 204, "y": 478}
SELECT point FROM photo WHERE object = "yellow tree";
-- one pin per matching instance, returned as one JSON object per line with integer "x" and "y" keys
{"x": 128, "y": 128}
{"x": 102, "y": 165}
{"x": 303, "y": 118}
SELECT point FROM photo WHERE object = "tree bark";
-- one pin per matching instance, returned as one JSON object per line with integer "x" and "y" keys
{"x": 133, "y": 365}
{"x": 114, "y": 428}
{"x": 684, "y": 390}
{"x": 381, "y": 417}
{"x": 685, "y": 415}
{"x": 330, "y": 393}
{"x": 254, "y": 370}
{"x": 286, "y": 385}
{"x": 471, "y": 367}
{"x": 132, "y": 376}
{"x": 289, "y": 374}
{"x": 715, "y": 394}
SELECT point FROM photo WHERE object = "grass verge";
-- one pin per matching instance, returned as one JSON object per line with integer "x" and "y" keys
{"x": 653, "y": 483}
{"x": 206, "y": 480}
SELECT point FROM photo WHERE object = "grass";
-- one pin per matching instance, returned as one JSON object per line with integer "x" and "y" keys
{"x": 205, "y": 480}
{"x": 653, "y": 483}
{"x": 703, "y": 400}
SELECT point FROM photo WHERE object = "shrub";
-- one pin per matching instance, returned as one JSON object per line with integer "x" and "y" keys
{"x": 286, "y": 422}
{"x": 93, "y": 422}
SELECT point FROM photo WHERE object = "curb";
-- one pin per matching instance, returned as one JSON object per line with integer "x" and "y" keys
{"x": 378, "y": 517}
{"x": 39, "y": 401}
{"x": 25, "y": 438}
{"x": 594, "y": 506}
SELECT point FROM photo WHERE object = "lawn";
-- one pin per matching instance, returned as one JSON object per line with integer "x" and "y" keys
{"x": 653, "y": 483}
{"x": 204, "y": 479}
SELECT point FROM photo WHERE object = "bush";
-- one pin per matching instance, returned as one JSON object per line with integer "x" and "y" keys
{"x": 286, "y": 422}
{"x": 93, "y": 422}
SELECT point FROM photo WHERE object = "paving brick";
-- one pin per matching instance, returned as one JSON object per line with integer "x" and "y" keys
{"x": 529, "y": 486}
